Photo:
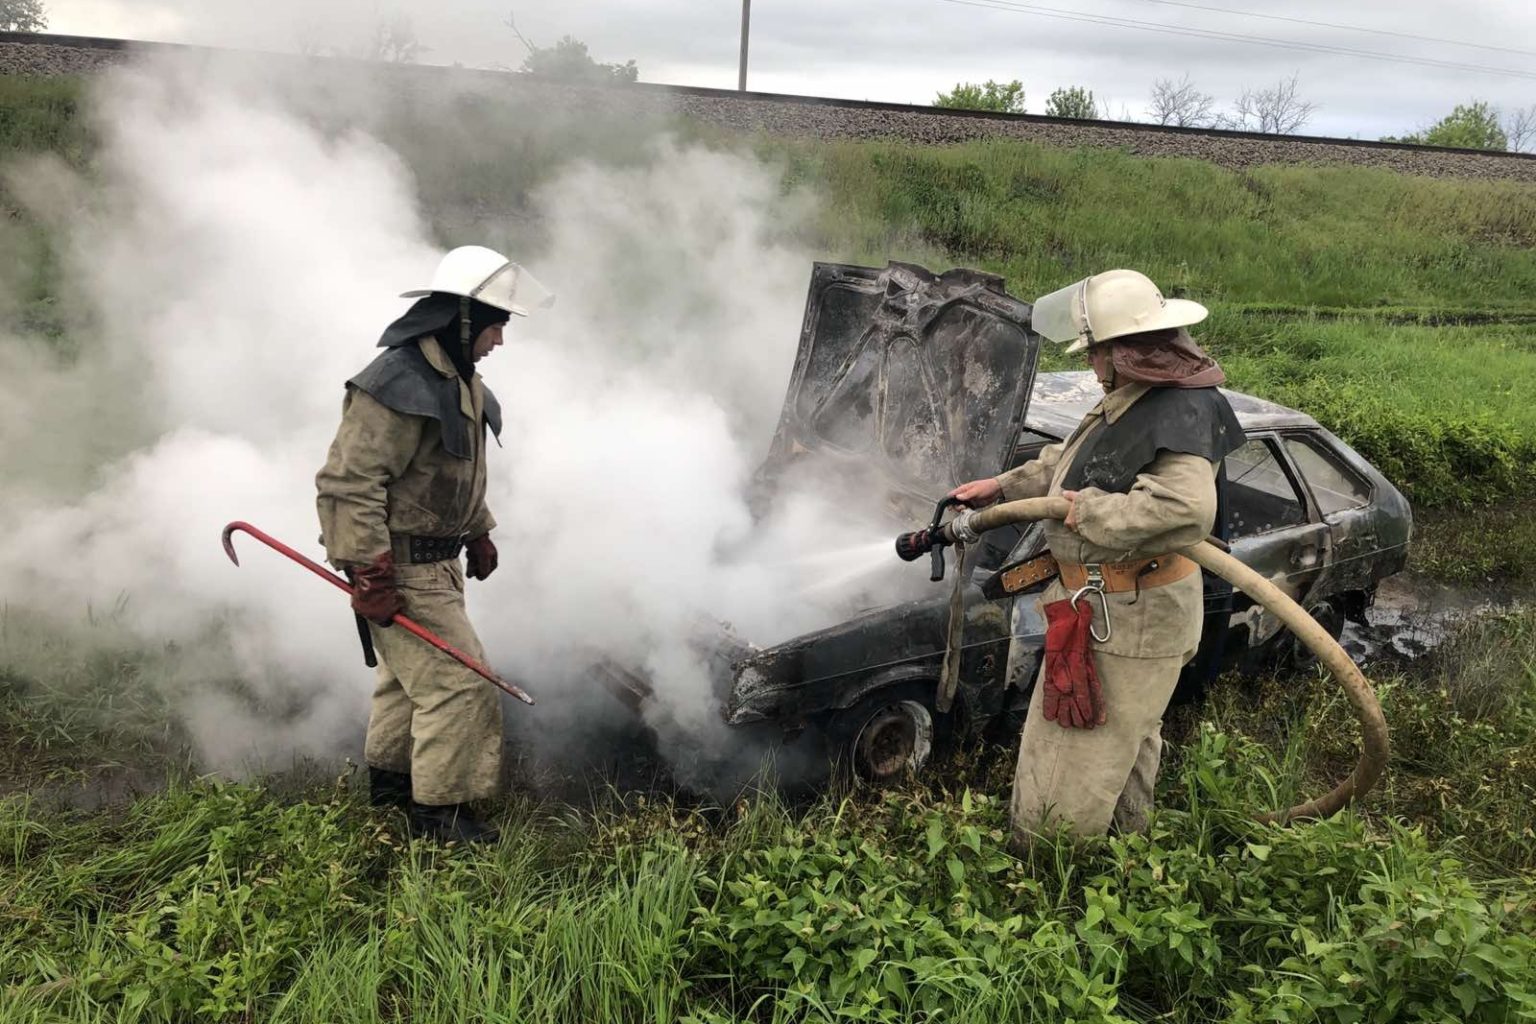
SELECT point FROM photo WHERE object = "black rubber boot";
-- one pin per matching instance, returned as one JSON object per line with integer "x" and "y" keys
{"x": 389, "y": 789}
{"x": 450, "y": 823}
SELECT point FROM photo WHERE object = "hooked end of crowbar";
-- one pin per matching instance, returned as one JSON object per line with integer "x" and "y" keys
{"x": 229, "y": 543}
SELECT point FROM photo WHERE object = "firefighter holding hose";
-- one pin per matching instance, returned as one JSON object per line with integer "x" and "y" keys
{"x": 401, "y": 495}
{"x": 1124, "y": 615}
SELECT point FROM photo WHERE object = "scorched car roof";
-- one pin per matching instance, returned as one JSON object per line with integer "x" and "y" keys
{"x": 1060, "y": 401}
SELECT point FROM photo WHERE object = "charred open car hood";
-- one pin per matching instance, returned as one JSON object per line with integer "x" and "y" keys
{"x": 921, "y": 378}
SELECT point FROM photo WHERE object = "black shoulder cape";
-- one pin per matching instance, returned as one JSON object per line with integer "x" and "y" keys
{"x": 401, "y": 379}
{"x": 1192, "y": 421}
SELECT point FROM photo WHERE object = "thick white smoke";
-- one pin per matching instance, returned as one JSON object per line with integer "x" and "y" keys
{"x": 233, "y": 261}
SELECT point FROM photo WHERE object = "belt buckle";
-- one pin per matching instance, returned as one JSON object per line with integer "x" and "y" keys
{"x": 1095, "y": 585}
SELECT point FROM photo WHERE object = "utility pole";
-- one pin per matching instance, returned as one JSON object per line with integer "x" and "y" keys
{"x": 746, "y": 25}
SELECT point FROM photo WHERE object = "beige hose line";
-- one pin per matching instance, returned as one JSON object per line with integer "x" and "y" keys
{"x": 1373, "y": 725}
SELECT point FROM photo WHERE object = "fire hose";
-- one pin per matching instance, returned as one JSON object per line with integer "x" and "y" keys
{"x": 414, "y": 628}
{"x": 1373, "y": 725}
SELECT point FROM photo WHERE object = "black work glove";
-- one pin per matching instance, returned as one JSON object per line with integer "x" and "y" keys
{"x": 374, "y": 595}
{"x": 480, "y": 553}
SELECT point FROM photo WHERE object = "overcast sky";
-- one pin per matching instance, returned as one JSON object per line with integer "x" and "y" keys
{"x": 907, "y": 50}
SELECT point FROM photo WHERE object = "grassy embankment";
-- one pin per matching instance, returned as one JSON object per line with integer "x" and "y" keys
{"x": 1393, "y": 309}
{"x": 238, "y": 903}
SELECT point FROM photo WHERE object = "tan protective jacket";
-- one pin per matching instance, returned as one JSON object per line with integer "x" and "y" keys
{"x": 1172, "y": 505}
{"x": 387, "y": 473}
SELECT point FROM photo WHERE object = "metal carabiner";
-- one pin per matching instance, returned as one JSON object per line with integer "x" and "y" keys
{"x": 1103, "y": 603}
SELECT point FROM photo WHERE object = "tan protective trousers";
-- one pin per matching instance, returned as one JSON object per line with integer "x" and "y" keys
{"x": 432, "y": 717}
{"x": 1092, "y": 778}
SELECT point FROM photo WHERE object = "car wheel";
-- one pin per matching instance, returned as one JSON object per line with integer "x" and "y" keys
{"x": 887, "y": 735}
{"x": 1329, "y": 615}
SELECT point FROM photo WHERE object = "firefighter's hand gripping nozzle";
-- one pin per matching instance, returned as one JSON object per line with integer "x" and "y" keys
{"x": 933, "y": 538}
{"x": 937, "y": 536}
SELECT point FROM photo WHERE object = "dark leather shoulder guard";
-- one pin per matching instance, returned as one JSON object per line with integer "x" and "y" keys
{"x": 492, "y": 412}
{"x": 1193, "y": 421}
{"x": 401, "y": 379}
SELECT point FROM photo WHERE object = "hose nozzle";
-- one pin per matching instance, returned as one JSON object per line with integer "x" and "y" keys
{"x": 932, "y": 538}
{"x": 912, "y": 546}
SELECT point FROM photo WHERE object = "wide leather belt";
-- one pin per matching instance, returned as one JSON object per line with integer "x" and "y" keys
{"x": 413, "y": 548}
{"x": 1126, "y": 577}
{"x": 1027, "y": 574}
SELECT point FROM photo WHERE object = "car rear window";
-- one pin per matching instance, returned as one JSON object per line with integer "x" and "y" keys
{"x": 1336, "y": 487}
{"x": 1260, "y": 497}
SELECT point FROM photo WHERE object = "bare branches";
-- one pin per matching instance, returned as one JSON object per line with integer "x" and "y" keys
{"x": 1520, "y": 129}
{"x": 511, "y": 23}
{"x": 1181, "y": 104}
{"x": 1278, "y": 110}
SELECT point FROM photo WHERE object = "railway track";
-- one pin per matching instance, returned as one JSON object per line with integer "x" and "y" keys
{"x": 820, "y": 117}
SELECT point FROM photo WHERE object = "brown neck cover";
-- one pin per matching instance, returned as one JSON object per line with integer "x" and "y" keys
{"x": 1168, "y": 359}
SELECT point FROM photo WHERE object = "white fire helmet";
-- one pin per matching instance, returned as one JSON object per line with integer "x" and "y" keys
{"x": 475, "y": 272}
{"x": 1108, "y": 306}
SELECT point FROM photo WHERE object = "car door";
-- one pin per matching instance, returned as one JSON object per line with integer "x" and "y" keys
{"x": 1273, "y": 527}
{"x": 1343, "y": 499}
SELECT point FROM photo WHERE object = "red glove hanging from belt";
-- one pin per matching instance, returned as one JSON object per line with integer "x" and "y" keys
{"x": 1073, "y": 698}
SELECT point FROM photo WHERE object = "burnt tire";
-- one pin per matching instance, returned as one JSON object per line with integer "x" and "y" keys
{"x": 1298, "y": 656}
{"x": 888, "y": 736}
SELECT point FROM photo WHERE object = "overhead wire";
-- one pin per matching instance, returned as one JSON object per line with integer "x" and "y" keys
{"x": 1021, "y": 7}
{"x": 1346, "y": 28}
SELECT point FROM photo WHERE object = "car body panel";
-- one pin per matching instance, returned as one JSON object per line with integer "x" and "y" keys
{"x": 906, "y": 380}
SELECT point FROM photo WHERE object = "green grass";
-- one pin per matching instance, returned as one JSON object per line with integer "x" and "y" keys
{"x": 43, "y": 115}
{"x": 1495, "y": 546}
{"x": 1301, "y": 236}
{"x": 238, "y": 902}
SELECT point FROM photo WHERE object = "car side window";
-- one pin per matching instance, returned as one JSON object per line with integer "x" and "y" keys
{"x": 1336, "y": 487}
{"x": 1260, "y": 496}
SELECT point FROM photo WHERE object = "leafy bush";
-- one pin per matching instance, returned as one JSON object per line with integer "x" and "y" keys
{"x": 854, "y": 917}
{"x": 224, "y": 903}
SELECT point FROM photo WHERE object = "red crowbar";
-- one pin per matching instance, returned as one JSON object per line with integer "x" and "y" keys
{"x": 404, "y": 623}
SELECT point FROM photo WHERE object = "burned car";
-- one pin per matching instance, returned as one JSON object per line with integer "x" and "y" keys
{"x": 908, "y": 383}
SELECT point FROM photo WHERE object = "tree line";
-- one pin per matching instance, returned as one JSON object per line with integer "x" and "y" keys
{"x": 1280, "y": 109}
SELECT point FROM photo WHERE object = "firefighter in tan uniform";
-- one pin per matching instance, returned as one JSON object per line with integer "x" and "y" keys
{"x": 402, "y": 493}
{"x": 1124, "y": 616}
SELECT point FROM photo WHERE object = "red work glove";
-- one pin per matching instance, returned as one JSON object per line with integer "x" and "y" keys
{"x": 374, "y": 596}
{"x": 1073, "y": 698}
{"x": 480, "y": 553}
